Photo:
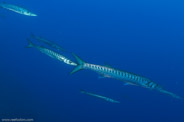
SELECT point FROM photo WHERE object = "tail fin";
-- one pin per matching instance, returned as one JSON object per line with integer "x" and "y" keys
{"x": 171, "y": 94}
{"x": 80, "y": 64}
{"x": 30, "y": 44}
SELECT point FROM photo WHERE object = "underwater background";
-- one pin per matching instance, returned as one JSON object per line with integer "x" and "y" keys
{"x": 139, "y": 36}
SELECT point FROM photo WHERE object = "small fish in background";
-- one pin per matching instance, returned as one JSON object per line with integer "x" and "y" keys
{"x": 99, "y": 96}
{"x": 127, "y": 77}
{"x": 51, "y": 53}
{"x": 47, "y": 42}
{"x": 16, "y": 9}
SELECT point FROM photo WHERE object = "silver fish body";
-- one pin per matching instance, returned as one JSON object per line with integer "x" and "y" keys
{"x": 17, "y": 9}
{"x": 52, "y": 54}
{"x": 121, "y": 75}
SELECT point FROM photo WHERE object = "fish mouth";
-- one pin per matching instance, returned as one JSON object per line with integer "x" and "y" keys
{"x": 34, "y": 15}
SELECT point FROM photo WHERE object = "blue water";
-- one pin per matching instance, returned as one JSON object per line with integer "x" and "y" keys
{"x": 139, "y": 36}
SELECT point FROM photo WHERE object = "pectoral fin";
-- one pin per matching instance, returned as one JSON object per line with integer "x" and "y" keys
{"x": 103, "y": 76}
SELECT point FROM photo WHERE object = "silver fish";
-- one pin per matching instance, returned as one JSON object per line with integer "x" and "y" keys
{"x": 99, "y": 96}
{"x": 51, "y": 53}
{"x": 127, "y": 77}
{"x": 17, "y": 9}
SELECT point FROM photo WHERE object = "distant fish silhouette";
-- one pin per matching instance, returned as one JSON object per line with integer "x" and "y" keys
{"x": 49, "y": 43}
{"x": 99, "y": 96}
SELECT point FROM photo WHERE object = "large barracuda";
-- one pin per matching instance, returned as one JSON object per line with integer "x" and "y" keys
{"x": 51, "y": 53}
{"x": 17, "y": 9}
{"x": 99, "y": 96}
{"x": 49, "y": 43}
{"x": 127, "y": 77}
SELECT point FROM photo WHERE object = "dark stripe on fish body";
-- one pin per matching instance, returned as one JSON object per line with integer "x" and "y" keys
{"x": 153, "y": 86}
{"x": 119, "y": 73}
{"x": 136, "y": 78}
{"x": 104, "y": 69}
{"x": 140, "y": 79}
{"x": 91, "y": 66}
{"x": 100, "y": 68}
{"x": 110, "y": 70}
{"x": 150, "y": 84}
{"x": 127, "y": 75}
{"x": 145, "y": 81}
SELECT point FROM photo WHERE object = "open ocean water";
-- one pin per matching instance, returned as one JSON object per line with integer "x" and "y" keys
{"x": 145, "y": 37}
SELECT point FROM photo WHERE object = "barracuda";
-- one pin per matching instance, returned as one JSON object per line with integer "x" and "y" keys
{"x": 100, "y": 96}
{"x": 49, "y": 43}
{"x": 127, "y": 77}
{"x": 51, "y": 53}
{"x": 17, "y": 9}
